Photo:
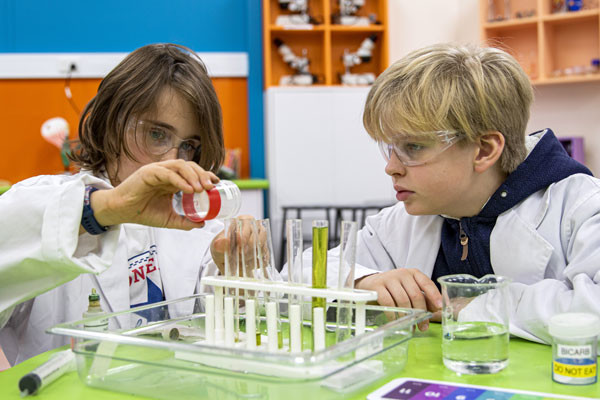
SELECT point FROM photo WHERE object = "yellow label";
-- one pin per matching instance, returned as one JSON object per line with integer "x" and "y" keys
{"x": 575, "y": 371}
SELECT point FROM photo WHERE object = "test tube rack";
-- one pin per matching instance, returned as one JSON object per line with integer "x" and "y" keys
{"x": 219, "y": 321}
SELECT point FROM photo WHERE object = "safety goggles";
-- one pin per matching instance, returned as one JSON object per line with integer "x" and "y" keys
{"x": 157, "y": 140}
{"x": 411, "y": 150}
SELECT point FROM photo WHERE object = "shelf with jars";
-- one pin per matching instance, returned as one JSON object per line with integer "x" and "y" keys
{"x": 556, "y": 41}
{"x": 324, "y": 42}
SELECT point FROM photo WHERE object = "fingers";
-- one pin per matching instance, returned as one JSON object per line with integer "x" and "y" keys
{"x": 158, "y": 176}
{"x": 398, "y": 293}
{"x": 178, "y": 171}
{"x": 431, "y": 292}
{"x": 220, "y": 243}
{"x": 384, "y": 297}
{"x": 409, "y": 295}
{"x": 414, "y": 293}
{"x": 185, "y": 224}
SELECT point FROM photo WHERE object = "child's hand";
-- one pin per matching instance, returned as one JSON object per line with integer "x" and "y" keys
{"x": 404, "y": 287}
{"x": 145, "y": 197}
{"x": 246, "y": 243}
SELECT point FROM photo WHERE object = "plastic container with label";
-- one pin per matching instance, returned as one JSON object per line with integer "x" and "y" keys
{"x": 574, "y": 348}
{"x": 223, "y": 201}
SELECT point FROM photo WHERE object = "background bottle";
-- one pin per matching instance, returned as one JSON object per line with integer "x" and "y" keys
{"x": 94, "y": 310}
{"x": 223, "y": 201}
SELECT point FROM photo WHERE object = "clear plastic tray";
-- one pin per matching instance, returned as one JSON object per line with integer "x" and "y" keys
{"x": 134, "y": 357}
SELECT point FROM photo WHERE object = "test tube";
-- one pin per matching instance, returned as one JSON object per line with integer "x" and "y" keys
{"x": 232, "y": 263}
{"x": 347, "y": 255}
{"x": 267, "y": 262}
{"x": 250, "y": 324}
{"x": 229, "y": 331}
{"x": 272, "y": 331}
{"x": 294, "y": 251}
{"x": 320, "y": 237}
{"x": 295, "y": 247}
{"x": 248, "y": 249}
{"x": 346, "y": 268}
{"x": 209, "y": 318}
{"x": 271, "y": 271}
{"x": 247, "y": 233}
{"x": 218, "y": 314}
{"x": 318, "y": 328}
{"x": 228, "y": 258}
{"x": 295, "y": 318}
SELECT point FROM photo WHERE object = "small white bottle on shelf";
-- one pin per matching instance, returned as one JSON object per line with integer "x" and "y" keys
{"x": 95, "y": 310}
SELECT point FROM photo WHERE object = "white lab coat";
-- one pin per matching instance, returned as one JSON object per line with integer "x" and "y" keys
{"x": 549, "y": 245}
{"x": 47, "y": 269}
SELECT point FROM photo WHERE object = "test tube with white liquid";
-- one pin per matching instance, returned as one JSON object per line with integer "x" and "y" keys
{"x": 347, "y": 257}
{"x": 267, "y": 268}
{"x": 228, "y": 302}
{"x": 247, "y": 235}
{"x": 295, "y": 276}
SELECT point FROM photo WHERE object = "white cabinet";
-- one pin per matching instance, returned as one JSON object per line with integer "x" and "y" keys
{"x": 318, "y": 152}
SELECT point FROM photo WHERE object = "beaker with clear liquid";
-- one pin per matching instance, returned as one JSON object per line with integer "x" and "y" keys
{"x": 475, "y": 321}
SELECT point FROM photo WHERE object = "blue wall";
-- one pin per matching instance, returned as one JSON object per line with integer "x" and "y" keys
{"x": 117, "y": 25}
{"x": 28, "y": 26}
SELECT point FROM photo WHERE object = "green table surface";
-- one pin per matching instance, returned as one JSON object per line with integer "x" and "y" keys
{"x": 529, "y": 369}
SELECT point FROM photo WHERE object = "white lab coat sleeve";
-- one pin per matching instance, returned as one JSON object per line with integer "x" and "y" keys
{"x": 40, "y": 242}
{"x": 576, "y": 290}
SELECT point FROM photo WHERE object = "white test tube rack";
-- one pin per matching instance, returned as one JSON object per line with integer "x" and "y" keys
{"x": 223, "y": 321}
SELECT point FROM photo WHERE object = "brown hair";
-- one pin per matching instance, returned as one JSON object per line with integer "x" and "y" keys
{"x": 468, "y": 89}
{"x": 133, "y": 88}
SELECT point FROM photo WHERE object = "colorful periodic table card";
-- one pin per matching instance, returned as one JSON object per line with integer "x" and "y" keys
{"x": 420, "y": 389}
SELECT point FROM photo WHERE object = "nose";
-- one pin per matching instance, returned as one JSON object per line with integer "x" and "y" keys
{"x": 394, "y": 166}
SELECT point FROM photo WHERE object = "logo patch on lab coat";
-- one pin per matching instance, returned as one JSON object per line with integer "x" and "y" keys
{"x": 145, "y": 285}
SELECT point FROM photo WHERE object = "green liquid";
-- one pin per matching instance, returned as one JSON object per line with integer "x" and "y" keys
{"x": 320, "y": 237}
{"x": 475, "y": 342}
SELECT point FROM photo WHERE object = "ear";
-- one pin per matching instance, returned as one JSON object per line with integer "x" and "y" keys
{"x": 489, "y": 150}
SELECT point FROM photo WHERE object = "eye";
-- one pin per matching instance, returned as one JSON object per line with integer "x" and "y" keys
{"x": 158, "y": 135}
{"x": 412, "y": 148}
{"x": 188, "y": 146}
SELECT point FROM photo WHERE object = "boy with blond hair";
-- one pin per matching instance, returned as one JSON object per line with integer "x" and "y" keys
{"x": 476, "y": 194}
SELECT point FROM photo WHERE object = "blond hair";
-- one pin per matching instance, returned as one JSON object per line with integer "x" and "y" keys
{"x": 469, "y": 89}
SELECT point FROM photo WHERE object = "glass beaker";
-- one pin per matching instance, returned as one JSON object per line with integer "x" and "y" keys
{"x": 475, "y": 323}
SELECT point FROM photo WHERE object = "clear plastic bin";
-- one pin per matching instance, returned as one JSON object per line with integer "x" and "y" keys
{"x": 134, "y": 357}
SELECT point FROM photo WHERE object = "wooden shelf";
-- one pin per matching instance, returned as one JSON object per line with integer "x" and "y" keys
{"x": 569, "y": 16}
{"x": 545, "y": 42}
{"x": 300, "y": 28}
{"x": 569, "y": 79}
{"x": 369, "y": 28}
{"x": 511, "y": 23}
{"x": 324, "y": 43}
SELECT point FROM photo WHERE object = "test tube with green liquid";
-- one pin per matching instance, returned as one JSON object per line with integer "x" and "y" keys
{"x": 320, "y": 237}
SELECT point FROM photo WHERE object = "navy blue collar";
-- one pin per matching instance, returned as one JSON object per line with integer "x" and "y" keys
{"x": 547, "y": 163}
